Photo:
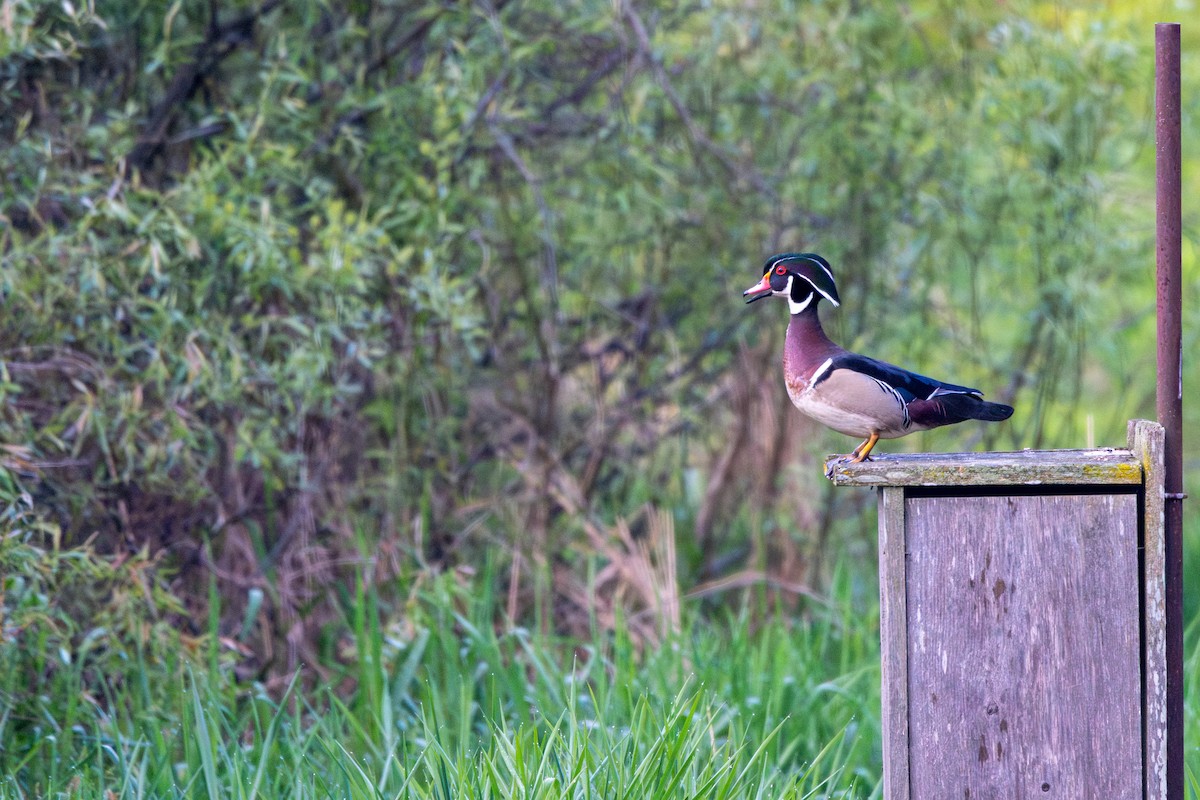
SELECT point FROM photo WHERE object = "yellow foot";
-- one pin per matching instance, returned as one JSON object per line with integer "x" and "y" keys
{"x": 857, "y": 456}
{"x": 863, "y": 451}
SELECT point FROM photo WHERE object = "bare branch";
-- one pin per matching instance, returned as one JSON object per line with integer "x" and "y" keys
{"x": 219, "y": 42}
{"x": 738, "y": 170}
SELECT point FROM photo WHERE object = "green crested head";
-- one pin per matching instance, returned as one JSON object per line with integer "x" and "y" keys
{"x": 803, "y": 278}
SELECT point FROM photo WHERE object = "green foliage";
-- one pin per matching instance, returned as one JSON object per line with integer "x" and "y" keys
{"x": 724, "y": 709}
{"x": 459, "y": 710}
{"x": 84, "y": 639}
{"x": 310, "y": 310}
{"x": 466, "y": 275}
{"x": 1191, "y": 716}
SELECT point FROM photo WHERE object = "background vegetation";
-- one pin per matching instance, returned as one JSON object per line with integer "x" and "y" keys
{"x": 378, "y": 399}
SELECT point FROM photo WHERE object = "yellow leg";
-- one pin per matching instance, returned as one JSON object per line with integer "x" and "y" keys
{"x": 861, "y": 452}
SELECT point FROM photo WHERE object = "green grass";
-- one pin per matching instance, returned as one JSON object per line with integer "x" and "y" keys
{"x": 1191, "y": 694}
{"x": 757, "y": 704}
{"x": 447, "y": 707}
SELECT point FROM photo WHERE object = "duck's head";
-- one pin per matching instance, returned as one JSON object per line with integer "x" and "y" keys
{"x": 803, "y": 278}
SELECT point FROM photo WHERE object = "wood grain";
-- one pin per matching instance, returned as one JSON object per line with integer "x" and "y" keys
{"x": 1023, "y": 647}
{"x": 1022, "y": 468}
{"x": 1147, "y": 441}
{"x": 893, "y": 633}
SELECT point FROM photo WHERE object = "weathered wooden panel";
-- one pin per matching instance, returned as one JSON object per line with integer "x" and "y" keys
{"x": 893, "y": 635}
{"x": 1023, "y": 647}
{"x": 1024, "y": 468}
{"x": 1147, "y": 441}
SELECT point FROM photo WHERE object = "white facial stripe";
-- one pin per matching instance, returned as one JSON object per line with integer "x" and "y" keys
{"x": 825, "y": 267}
{"x": 829, "y": 274}
{"x": 798, "y": 307}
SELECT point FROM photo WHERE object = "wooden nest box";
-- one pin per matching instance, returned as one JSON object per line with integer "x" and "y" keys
{"x": 1022, "y": 622}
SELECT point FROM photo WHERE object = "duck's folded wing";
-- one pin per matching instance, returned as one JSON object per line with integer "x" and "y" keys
{"x": 909, "y": 385}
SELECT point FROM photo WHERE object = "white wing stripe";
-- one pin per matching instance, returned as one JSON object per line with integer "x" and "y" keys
{"x": 887, "y": 387}
{"x": 821, "y": 370}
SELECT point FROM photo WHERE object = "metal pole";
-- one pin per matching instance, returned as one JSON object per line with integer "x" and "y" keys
{"x": 1170, "y": 374}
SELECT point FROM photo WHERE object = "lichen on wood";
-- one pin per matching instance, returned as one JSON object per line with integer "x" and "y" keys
{"x": 1021, "y": 468}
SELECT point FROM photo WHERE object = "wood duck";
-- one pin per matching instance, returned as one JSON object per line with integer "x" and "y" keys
{"x": 854, "y": 394}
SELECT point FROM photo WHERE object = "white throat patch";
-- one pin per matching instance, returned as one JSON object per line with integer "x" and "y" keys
{"x": 795, "y": 307}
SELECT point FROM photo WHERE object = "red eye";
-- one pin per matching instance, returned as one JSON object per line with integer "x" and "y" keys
{"x": 781, "y": 270}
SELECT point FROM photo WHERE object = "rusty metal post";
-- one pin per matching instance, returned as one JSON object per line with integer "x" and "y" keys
{"x": 1170, "y": 374}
